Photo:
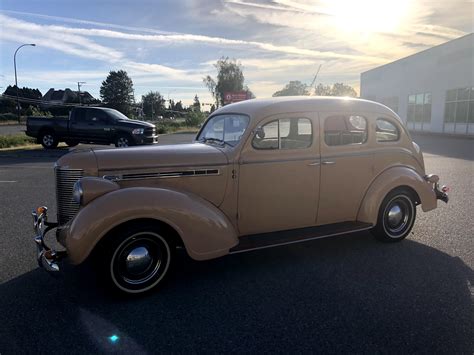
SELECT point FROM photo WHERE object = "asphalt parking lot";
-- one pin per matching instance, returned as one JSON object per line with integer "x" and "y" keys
{"x": 345, "y": 294}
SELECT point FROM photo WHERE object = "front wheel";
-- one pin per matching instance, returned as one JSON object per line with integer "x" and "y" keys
{"x": 396, "y": 216}
{"x": 136, "y": 260}
{"x": 123, "y": 141}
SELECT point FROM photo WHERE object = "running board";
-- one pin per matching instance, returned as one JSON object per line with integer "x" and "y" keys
{"x": 274, "y": 239}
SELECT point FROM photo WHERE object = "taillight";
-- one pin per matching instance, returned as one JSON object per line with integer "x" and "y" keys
{"x": 445, "y": 189}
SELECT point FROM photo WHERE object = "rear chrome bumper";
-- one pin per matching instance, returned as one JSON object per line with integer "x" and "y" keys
{"x": 441, "y": 194}
{"x": 47, "y": 258}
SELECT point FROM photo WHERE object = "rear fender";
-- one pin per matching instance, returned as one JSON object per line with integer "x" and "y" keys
{"x": 205, "y": 231}
{"x": 388, "y": 180}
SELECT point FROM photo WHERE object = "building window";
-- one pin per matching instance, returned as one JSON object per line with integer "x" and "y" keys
{"x": 419, "y": 108}
{"x": 391, "y": 102}
{"x": 343, "y": 130}
{"x": 459, "y": 107}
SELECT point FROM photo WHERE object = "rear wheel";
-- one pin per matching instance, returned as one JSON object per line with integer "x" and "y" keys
{"x": 396, "y": 216}
{"x": 136, "y": 260}
{"x": 48, "y": 140}
{"x": 71, "y": 143}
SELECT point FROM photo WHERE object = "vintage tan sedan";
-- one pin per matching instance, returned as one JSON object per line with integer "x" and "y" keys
{"x": 261, "y": 173}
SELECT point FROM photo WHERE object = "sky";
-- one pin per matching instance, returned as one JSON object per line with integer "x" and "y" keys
{"x": 169, "y": 46}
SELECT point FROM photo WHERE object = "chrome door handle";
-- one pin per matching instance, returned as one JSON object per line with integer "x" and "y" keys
{"x": 316, "y": 163}
{"x": 329, "y": 162}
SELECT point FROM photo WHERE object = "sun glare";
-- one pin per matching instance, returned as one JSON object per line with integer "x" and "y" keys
{"x": 368, "y": 16}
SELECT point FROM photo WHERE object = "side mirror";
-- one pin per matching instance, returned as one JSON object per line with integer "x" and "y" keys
{"x": 259, "y": 132}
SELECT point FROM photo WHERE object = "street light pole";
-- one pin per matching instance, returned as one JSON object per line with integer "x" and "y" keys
{"x": 16, "y": 80}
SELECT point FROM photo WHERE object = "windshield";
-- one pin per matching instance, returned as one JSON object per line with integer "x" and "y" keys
{"x": 116, "y": 114}
{"x": 225, "y": 129}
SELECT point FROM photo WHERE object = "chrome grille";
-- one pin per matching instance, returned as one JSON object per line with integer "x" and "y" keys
{"x": 65, "y": 179}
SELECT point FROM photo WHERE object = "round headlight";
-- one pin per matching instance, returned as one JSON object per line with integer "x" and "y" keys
{"x": 77, "y": 192}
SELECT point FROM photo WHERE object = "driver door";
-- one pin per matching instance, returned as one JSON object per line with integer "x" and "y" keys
{"x": 279, "y": 170}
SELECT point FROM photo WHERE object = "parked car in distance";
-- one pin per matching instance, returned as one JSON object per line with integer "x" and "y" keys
{"x": 96, "y": 125}
{"x": 261, "y": 173}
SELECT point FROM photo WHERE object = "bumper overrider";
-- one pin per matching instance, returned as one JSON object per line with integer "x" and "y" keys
{"x": 441, "y": 194}
{"x": 47, "y": 257}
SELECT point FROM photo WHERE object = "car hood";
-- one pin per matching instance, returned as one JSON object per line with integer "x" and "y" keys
{"x": 136, "y": 124}
{"x": 146, "y": 157}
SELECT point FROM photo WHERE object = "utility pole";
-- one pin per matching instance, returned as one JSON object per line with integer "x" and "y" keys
{"x": 16, "y": 80}
{"x": 79, "y": 84}
{"x": 314, "y": 80}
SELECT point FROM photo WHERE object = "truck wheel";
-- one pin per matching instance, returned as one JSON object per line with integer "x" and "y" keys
{"x": 136, "y": 260}
{"x": 48, "y": 140}
{"x": 396, "y": 216}
{"x": 72, "y": 143}
{"x": 123, "y": 141}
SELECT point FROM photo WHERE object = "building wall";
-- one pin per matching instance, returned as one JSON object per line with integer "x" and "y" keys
{"x": 435, "y": 70}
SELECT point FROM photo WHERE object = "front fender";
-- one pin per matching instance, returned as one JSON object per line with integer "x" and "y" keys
{"x": 204, "y": 229}
{"x": 387, "y": 181}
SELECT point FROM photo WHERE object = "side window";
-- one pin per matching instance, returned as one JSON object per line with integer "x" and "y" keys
{"x": 96, "y": 117}
{"x": 345, "y": 129}
{"x": 386, "y": 131}
{"x": 286, "y": 133}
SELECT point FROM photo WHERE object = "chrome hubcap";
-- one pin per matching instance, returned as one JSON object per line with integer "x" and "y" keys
{"x": 138, "y": 261}
{"x": 395, "y": 215}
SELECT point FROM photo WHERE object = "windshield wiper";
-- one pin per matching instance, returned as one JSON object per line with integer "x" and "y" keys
{"x": 214, "y": 140}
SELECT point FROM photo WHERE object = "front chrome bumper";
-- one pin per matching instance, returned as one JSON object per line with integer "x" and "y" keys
{"x": 47, "y": 258}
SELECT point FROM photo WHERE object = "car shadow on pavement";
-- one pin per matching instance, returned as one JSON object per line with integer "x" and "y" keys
{"x": 334, "y": 295}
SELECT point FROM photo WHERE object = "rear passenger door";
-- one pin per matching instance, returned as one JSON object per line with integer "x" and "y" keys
{"x": 346, "y": 165}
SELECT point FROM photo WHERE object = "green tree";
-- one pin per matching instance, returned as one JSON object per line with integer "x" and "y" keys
{"x": 117, "y": 91}
{"x": 293, "y": 88}
{"x": 153, "y": 104}
{"x": 338, "y": 89}
{"x": 229, "y": 78}
{"x": 194, "y": 118}
{"x": 196, "y": 104}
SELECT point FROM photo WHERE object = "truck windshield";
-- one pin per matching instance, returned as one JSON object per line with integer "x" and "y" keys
{"x": 224, "y": 129}
{"x": 116, "y": 114}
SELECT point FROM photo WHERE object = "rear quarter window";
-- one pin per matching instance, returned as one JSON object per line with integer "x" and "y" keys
{"x": 386, "y": 131}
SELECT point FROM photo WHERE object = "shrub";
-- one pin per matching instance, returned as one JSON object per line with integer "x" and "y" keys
{"x": 15, "y": 140}
{"x": 8, "y": 117}
{"x": 194, "y": 118}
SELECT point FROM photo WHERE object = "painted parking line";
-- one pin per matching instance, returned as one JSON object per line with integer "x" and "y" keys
{"x": 7, "y": 181}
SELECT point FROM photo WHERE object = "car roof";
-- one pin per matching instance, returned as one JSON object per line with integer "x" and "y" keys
{"x": 275, "y": 105}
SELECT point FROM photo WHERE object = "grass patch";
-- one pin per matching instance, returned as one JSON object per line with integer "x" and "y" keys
{"x": 16, "y": 141}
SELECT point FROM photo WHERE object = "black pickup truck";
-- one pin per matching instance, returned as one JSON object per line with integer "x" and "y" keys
{"x": 96, "y": 125}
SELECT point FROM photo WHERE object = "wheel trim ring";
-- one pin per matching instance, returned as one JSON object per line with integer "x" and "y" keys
{"x": 407, "y": 220}
{"x": 165, "y": 267}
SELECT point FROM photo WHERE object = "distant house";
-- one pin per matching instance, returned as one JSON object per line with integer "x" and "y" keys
{"x": 60, "y": 97}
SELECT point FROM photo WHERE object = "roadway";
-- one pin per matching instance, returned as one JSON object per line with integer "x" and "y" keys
{"x": 345, "y": 294}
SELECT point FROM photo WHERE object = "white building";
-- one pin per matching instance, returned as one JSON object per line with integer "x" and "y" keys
{"x": 432, "y": 90}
